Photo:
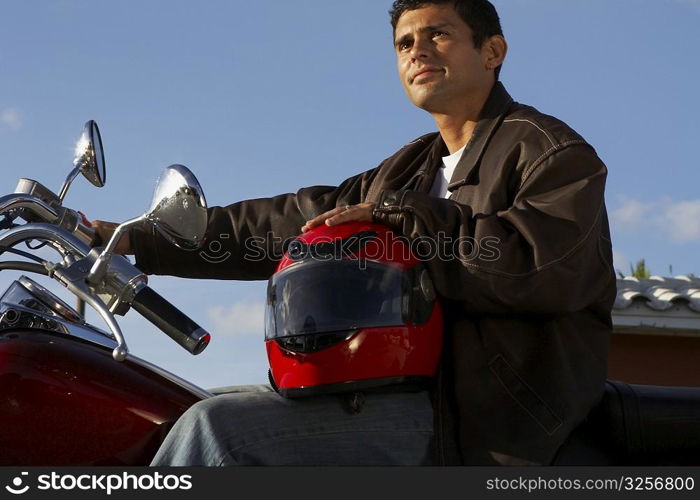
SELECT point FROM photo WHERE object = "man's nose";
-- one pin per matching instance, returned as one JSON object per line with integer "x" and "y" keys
{"x": 421, "y": 49}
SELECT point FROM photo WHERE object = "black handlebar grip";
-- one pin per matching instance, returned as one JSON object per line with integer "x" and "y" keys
{"x": 171, "y": 320}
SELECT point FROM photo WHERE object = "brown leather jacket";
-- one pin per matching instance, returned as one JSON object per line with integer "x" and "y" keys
{"x": 528, "y": 289}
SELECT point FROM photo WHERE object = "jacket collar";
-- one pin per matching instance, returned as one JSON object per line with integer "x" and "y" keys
{"x": 490, "y": 118}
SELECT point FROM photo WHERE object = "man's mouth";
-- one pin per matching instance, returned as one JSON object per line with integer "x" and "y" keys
{"x": 425, "y": 72}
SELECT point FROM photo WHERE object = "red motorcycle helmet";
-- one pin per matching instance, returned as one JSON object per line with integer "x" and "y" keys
{"x": 350, "y": 308}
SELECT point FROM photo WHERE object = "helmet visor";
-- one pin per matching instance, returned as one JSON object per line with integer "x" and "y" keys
{"x": 332, "y": 296}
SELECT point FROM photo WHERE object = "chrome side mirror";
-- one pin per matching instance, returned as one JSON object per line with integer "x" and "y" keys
{"x": 178, "y": 211}
{"x": 89, "y": 159}
{"x": 89, "y": 155}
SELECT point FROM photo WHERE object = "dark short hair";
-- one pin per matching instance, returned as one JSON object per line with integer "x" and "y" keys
{"x": 480, "y": 15}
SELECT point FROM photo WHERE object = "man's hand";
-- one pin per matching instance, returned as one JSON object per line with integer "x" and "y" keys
{"x": 359, "y": 212}
{"x": 104, "y": 231}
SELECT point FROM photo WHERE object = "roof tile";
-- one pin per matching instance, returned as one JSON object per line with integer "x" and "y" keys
{"x": 659, "y": 293}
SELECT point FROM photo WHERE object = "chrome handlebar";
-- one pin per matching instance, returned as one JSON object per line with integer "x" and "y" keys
{"x": 17, "y": 201}
{"x": 121, "y": 282}
{"x": 70, "y": 244}
{"x": 111, "y": 284}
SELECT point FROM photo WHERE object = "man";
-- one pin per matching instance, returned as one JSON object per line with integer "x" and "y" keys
{"x": 527, "y": 282}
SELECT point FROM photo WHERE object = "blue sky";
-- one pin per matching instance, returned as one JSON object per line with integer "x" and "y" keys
{"x": 261, "y": 98}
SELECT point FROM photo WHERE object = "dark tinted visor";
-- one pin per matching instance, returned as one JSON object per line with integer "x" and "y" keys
{"x": 333, "y": 296}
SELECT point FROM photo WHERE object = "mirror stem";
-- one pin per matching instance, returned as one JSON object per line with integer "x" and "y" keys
{"x": 66, "y": 184}
{"x": 100, "y": 266}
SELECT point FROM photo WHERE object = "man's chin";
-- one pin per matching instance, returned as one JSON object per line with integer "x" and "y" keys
{"x": 427, "y": 101}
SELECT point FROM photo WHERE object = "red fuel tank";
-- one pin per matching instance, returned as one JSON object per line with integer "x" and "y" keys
{"x": 65, "y": 401}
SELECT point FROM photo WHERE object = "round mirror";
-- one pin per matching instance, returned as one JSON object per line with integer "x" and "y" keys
{"x": 178, "y": 209}
{"x": 89, "y": 155}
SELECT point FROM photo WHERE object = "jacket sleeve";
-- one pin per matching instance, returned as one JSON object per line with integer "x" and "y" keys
{"x": 548, "y": 252}
{"x": 245, "y": 240}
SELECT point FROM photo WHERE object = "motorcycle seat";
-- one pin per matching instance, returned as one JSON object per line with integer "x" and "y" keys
{"x": 637, "y": 425}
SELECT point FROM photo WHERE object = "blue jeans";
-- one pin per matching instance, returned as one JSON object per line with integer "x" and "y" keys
{"x": 255, "y": 426}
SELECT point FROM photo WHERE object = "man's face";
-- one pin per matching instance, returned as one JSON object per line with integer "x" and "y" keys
{"x": 437, "y": 62}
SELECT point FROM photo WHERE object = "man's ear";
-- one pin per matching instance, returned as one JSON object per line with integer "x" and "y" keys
{"x": 494, "y": 51}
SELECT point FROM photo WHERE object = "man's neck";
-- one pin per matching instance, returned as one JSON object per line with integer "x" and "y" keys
{"x": 457, "y": 128}
{"x": 455, "y": 131}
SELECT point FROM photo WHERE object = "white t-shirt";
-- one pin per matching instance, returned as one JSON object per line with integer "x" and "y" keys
{"x": 442, "y": 178}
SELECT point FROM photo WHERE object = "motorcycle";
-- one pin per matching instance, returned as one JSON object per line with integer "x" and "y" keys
{"x": 71, "y": 393}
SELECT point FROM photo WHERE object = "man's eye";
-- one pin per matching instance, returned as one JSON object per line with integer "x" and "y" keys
{"x": 402, "y": 46}
{"x": 439, "y": 34}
